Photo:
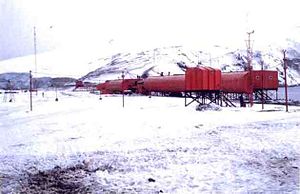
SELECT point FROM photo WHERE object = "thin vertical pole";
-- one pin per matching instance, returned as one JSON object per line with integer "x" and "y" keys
{"x": 262, "y": 85}
{"x": 30, "y": 90}
{"x": 123, "y": 100}
{"x": 285, "y": 80}
{"x": 34, "y": 43}
{"x": 249, "y": 58}
{"x": 56, "y": 98}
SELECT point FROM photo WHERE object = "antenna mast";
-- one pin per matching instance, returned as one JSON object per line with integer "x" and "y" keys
{"x": 34, "y": 43}
{"x": 249, "y": 67}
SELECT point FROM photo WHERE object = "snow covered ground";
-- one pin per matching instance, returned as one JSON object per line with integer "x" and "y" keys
{"x": 153, "y": 145}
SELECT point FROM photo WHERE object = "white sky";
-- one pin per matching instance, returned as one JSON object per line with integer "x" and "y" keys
{"x": 90, "y": 24}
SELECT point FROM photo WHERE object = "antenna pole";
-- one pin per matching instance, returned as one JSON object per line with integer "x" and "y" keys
{"x": 123, "y": 101}
{"x": 249, "y": 65}
{"x": 262, "y": 85}
{"x": 285, "y": 79}
{"x": 34, "y": 43}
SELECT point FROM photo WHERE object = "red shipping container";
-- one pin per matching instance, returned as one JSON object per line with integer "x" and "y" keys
{"x": 197, "y": 79}
{"x": 236, "y": 82}
{"x": 101, "y": 87}
{"x": 175, "y": 83}
{"x": 214, "y": 78}
{"x": 113, "y": 86}
{"x": 269, "y": 81}
{"x": 118, "y": 86}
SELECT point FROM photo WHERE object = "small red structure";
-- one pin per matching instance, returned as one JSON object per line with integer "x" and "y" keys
{"x": 202, "y": 79}
{"x": 84, "y": 86}
{"x": 118, "y": 86}
{"x": 79, "y": 84}
{"x": 202, "y": 84}
{"x": 265, "y": 80}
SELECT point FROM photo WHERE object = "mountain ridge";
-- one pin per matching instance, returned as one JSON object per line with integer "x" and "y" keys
{"x": 151, "y": 62}
{"x": 171, "y": 60}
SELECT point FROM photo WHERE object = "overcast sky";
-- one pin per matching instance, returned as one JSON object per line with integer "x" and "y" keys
{"x": 97, "y": 26}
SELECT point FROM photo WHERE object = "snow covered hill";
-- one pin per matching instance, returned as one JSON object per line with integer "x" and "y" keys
{"x": 174, "y": 59}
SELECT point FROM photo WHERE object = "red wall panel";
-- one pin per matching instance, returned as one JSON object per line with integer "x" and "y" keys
{"x": 175, "y": 83}
{"x": 236, "y": 82}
